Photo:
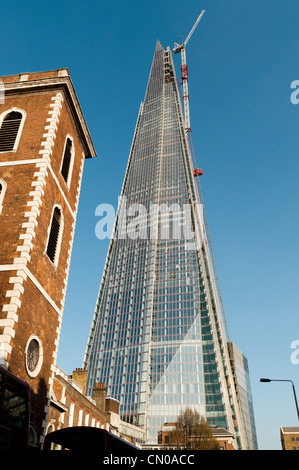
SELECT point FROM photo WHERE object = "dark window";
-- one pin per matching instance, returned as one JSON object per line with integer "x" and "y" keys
{"x": 67, "y": 157}
{"x": 9, "y": 131}
{"x": 14, "y": 405}
{"x": 54, "y": 234}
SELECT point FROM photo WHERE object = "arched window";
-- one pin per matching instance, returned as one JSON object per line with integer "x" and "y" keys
{"x": 53, "y": 246}
{"x": 9, "y": 131}
{"x": 67, "y": 162}
{"x": 33, "y": 436}
{"x": 2, "y": 193}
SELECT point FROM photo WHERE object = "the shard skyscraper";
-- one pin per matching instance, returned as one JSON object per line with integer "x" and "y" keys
{"x": 157, "y": 338}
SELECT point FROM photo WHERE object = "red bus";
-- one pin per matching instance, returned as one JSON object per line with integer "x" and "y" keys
{"x": 86, "y": 438}
{"x": 14, "y": 412}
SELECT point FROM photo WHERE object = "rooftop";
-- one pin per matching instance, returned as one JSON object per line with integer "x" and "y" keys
{"x": 59, "y": 79}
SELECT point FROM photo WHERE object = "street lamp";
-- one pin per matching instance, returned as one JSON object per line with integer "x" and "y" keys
{"x": 281, "y": 380}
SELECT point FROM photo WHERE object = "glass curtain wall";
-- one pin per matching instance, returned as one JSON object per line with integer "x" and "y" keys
{"x": 156, "y": 338}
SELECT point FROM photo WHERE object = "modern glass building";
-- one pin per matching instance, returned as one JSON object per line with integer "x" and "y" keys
{"x": 242, "y": 384}
{"x": 157, "y": 337}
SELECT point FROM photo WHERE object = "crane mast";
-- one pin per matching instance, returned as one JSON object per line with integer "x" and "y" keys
{"x": 197, "y": 172}
{"x": 184, "y": 70}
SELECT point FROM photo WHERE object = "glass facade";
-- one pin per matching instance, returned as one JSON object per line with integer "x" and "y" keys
{"x": 242, "y": 383}
{"x": 157, "y": 337}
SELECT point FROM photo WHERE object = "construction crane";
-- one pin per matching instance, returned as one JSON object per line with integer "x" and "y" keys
{"x": 196, "y": 172}
{"x": 184, "y": 69}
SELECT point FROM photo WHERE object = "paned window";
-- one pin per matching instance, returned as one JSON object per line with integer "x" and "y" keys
{"x": 80, "y": 416}
{"x": 9, "y": 131}
{"x": 71, "y": 413}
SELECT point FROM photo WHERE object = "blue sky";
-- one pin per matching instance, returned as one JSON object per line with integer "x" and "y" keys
{"x": 242, "y": 59}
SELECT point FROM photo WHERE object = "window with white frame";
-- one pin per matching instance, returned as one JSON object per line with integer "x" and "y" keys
{"x": 80, "y": 416}
{"x": 63, "y": 401}
{"x": 33, "y": 356}
{"x": 71, "y": 413}
{"x": 55, "y": 235}
{"x": 11, "y": 125}
{"x": 2, "y": 193}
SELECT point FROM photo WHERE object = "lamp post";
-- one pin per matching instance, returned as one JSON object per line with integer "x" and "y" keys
{"x": 282, "y": 380}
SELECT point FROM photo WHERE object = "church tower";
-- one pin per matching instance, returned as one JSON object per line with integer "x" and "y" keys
{"x": 44, "y": 142}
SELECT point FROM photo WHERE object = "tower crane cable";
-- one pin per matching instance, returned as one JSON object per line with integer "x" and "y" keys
{"x": 209, "y": 240}
{"x": 185, "y": 97}
{"x": 237, "y": 387}
{"x": 181, "y": 48}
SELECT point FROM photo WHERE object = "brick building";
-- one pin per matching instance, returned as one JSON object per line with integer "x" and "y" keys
{"x": 69, "y": 406}
{"x": 289, "y": 437}
{"x": 44, "y": 141}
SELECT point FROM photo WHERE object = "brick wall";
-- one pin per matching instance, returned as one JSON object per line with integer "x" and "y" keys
{"x": 32, "y": 287}
{"x": 85, "y": 411}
